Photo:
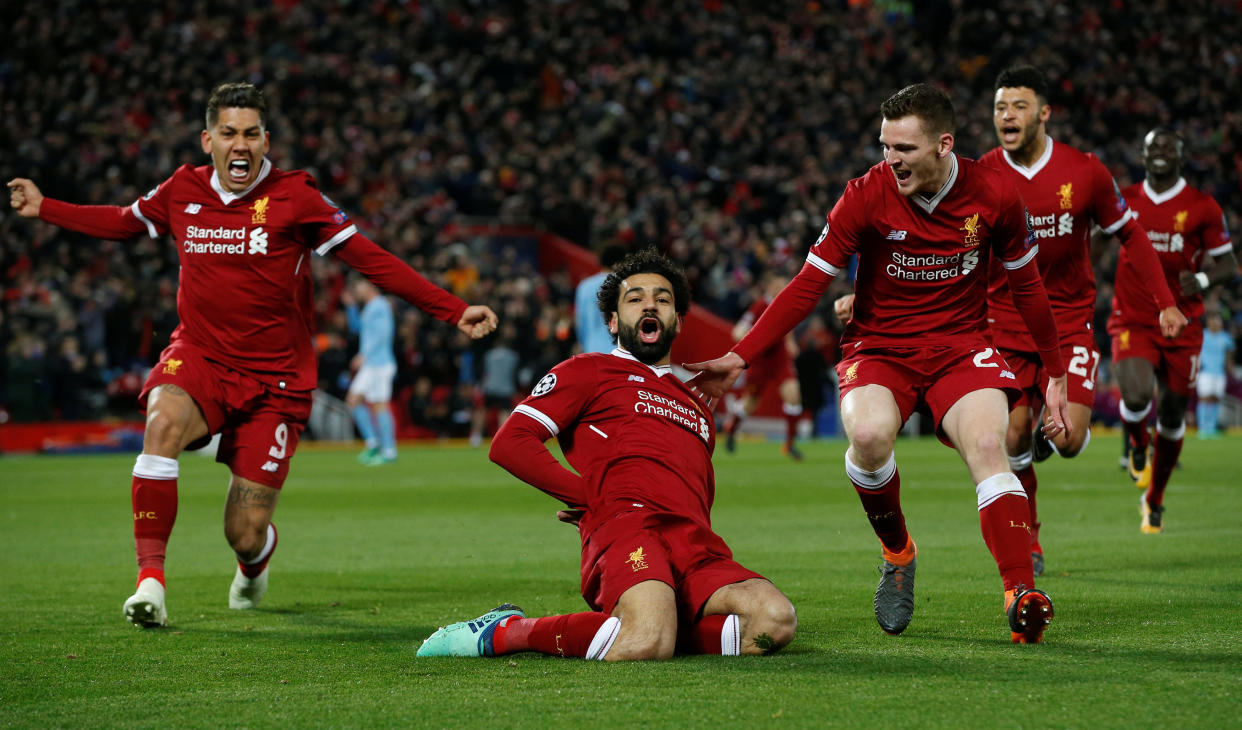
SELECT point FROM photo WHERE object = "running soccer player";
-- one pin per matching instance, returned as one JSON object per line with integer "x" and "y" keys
{"x": 370, "y": 392}
{"x": 1065, "y": 190}
{"x": 773, "y": 367}
{"x": 241, "y": 362}
{"x": 656, "y": 577}
{"x": 1184, "y": 225}
{"x": 925, "y": 224}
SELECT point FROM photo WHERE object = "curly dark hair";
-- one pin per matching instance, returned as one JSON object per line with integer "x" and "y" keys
{"x": 647, "y": 261}
{"x": 1018, "y": 76}
{"x": 236, "y": 95}
{"x": 929, "y": 103}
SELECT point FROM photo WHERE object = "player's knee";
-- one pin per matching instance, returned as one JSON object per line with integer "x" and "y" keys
{"x": 871, "y": 445}
{"x": 246, "y": 540}
{"x": 164, "y": 432}
{"x": 989, "y": 443}
{"x": 639, "y": 642}
{"x": 771, "y": 628}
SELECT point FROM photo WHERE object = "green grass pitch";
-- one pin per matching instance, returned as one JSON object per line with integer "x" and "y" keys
{"x": 371, "y": 560}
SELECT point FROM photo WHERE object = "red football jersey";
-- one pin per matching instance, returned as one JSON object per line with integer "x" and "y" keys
{"x": 608, "y": 408}
{"x": 1183, "y": 224}
{"x": 922, "y": 263}
{"x": 1064, "y": 191}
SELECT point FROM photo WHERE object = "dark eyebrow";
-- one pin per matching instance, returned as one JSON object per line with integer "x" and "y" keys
{"x": 658, "y": 290}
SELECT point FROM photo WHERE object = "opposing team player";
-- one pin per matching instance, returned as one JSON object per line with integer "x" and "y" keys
{"x": 1184, "y": 226}
{"x": 925, "y": 224}
{"x": 1065, "y": 191}
{"x": 655, "y": 575}
{"x": 240, "y": 363}
{"x": 772, "y": 367}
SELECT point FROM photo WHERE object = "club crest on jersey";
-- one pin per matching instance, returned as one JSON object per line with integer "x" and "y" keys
{"x": 259, "y": 210}
{"x": 545, "y": 385}
{"x": 1067, "y": 196}
{"x": 971, "y": 228}
{"x": 637, "y": 560}
{"x": 1179, "y": 220}
{"x": 1123, "y": 339}
{"x": 171, "y": 366}
{"x": 851, "y": 373}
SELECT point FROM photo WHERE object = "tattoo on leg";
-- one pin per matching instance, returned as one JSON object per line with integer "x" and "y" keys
{"x": 171, "y": 389}
{"x": 244, "y": 496}
{"x": 765, "y": 643}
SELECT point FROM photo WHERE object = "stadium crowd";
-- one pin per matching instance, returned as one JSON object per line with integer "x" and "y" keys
{"x": 721, "y": 133}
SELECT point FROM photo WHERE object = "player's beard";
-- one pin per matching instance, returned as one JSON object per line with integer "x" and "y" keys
{"x": 648, "y": 353}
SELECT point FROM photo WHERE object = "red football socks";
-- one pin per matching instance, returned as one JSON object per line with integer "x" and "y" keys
{"x": 715, "y": 634}
{"x": 153, "y": 494}
{"x": 1163, "y": 462}
{"x": 1004, "y": 519}
{"x": 1029, "y": 485}
{"x": 880, "y": 493}
{"x": 568, "y": 635}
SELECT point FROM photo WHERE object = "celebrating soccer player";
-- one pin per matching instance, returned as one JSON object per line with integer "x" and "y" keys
{"x": 240, "y": 363}
{"x": 773, "y": 367}
{"x": 655, "y": 575}
{"x": 925, "y": 224}
{"x": 1183, "y": 224}
{"x": 1065, "y": 190}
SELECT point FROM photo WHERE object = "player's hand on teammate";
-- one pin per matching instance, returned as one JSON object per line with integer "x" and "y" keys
{"x": 844, "y": 308}
{"x": 477, "y": 321}
{"x": 714, "y": 378}
{"x": 571, "y": 516}
{"x": 24, "y": 197}
{"x": 1056, "y": 408}
{"x": 1172, "y": 322}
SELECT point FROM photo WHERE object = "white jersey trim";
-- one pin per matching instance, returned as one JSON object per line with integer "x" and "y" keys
{"x": 342, "y": 236}
{"x": 660, "y": 370}
{"x": 1120, "y": 222}
{"x": 1033, "y": 170}
{"x": 1019, "y": 263}
{"x": 1222, "y": 249}
{"x": 539, "y": 416}
{"x": 822, "y": 265}
{"x": 929, "y": 204}
{"x": 1166, "y": 196}
{"x": 151, "y": 231}
{"x": 227, "y": 197}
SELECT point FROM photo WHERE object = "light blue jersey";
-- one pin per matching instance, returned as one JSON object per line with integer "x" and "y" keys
{"x": 1214, "y": 356}
{"x": 375, "y": 327}
{"x": 592, "y": 333}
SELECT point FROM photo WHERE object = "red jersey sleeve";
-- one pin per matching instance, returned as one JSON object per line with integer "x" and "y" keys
{"x": 519, "y": 448}
{"x": 1108, "y": 206}
{"x": 1216, "y": 231}
{"x": 112, "y": 222}
{"x": 392, "y": 275}
{"x": 828, "y": 256}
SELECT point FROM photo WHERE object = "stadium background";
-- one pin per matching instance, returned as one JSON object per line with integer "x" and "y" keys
{"x": 720, "y": 132}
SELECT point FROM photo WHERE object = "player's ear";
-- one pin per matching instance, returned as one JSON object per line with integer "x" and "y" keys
{"x": 945, "y": 145}
{"x": 612, "y": 323}
{"x": 1045, "y": 112}
{"x": 206, "y": 138}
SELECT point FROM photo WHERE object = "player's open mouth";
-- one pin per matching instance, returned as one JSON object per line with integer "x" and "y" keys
{"x": 1011, "y": 134}
{"x": 239, "y": 170}
{"x": 649, "y": 330}
{"x": 902, "y": 175}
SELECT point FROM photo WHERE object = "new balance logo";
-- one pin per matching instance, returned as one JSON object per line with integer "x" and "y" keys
{"x": 637, "y": 379}
{"x": 896, "y": 235}
{"x": 270, "y": 467}
{"x": 193, "y": 208}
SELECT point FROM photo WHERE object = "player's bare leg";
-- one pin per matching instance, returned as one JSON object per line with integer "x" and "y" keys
{"x": 1079, "y": 434}
{"x": 249, "y": 530}
{"x": 1170, "y": 434}
{"x": 765, "y": 617}
{"x": 872, "y": 420}
{"x": 1137, "y": 379}
{"x": 173, "y": 422}
{"x": 976, "y": 425}
{"x": 648, "y": 615}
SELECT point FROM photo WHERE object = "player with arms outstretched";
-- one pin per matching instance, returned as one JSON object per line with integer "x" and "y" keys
{"x": 655, "y": 575}
{"x": 1185, "y": 226}
{"x": 1065, "y": 191}
{"x": 925, "y": 224}
{"x": 241, "y": 362}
